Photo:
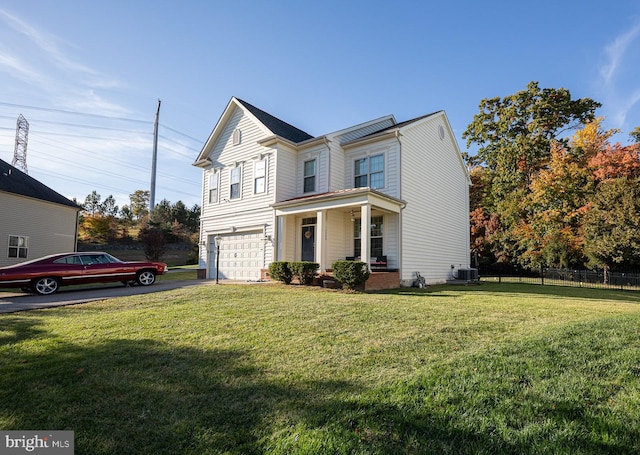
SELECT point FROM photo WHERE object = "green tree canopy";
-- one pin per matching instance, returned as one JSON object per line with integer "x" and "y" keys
{"x": 613, "y": 223}
{"x": 514, "y": 133}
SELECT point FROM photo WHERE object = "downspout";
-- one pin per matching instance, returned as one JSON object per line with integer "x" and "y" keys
{"x": 326, "y": 143}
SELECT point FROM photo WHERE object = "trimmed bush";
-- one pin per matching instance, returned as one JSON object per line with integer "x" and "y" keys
{"x": 305, "y": 271}
{"x": 281, "y": 271}
{"x": 352, "y": 274}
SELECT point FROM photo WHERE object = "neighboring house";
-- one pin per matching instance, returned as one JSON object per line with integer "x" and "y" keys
{"x": 273, "y": 192}
{"x": 35, "y": 220}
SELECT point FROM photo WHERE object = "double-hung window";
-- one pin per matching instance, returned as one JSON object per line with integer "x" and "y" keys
{"x": 234, "y": 182}
{"x": 376, "y": 237}
{"x": 309, "y": 176}
{"x": 214, "y": 183}
{"x": 369, "y": 172}
{"x": 18, "y": 246}
{"x": 260, "y": 176}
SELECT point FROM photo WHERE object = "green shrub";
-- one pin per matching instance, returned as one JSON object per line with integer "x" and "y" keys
{"x": 281, "y": 271}
{"x": 305, "y": 271}
{"x": 352, "y": 274}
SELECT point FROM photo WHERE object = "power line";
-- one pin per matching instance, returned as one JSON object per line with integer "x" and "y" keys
{"x": 117, "y": 162}
{"x": 84, "y": 114}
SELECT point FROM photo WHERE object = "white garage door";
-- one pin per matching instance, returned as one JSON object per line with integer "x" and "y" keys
{"x": 241, "y": 256}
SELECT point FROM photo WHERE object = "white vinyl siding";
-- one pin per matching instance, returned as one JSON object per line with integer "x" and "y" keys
{"x": 435, "y": 221}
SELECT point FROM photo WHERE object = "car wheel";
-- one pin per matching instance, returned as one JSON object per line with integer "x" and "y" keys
{"x": 145, "y": 278}
{"x": 45, "y": 286}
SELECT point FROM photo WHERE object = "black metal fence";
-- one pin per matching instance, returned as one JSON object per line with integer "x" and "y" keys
{"x": 628, "y": 281}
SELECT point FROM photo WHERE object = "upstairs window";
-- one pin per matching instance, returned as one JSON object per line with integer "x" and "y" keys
{"x": 369, "y": 172}
{"x": 260, "y": 176}
{"x": 309, "y": 176}
{"x": 18, "y": 246}
{"x": 214, "y": 181}
{"x": 234, "y": 183}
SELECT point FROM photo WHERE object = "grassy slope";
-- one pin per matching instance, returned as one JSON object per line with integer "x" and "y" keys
{"x": 273, "y": 369}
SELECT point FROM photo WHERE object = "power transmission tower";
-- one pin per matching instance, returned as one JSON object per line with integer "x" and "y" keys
{"x": 20, "y": 151}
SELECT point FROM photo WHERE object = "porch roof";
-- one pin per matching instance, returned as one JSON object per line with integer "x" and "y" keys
{"x": 352, "y": 197}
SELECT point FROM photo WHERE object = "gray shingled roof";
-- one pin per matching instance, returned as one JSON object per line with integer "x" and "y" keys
{"x": 401, "y": 124}
{"x": 14, "y": 181}
{"x": 277, "y": 126}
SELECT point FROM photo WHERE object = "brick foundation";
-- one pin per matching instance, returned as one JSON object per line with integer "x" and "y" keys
{"x": 382, "y": 280}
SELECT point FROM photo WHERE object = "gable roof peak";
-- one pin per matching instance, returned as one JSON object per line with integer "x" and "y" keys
{"x": 274, "y": 124}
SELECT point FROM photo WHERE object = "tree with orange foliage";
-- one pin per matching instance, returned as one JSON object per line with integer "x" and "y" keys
{"x": 616, "y": 161}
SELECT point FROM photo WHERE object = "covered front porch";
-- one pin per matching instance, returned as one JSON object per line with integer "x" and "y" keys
{"x": 328, "y": 227}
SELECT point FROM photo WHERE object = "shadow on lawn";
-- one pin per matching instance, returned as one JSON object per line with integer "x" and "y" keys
{"x": 548, "y": 291}
{"x": 144, "y": 397}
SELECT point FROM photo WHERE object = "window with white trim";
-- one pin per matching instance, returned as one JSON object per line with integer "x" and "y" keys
{"x": 309, "y": 184}
{"x": 234, "y": 182}
{"x": 369, "y": 171}
{"x": 18, "y": 246}
{"x": 260, "y": 176}
{"x": 377, "y": 230}
{"x": 214, "y": 183}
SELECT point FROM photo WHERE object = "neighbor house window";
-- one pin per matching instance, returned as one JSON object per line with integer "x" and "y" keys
{"x": 214, "y": 182}
{"x": 376, "y": 236}
{"x": 309, "y": 176}
{"x": 18, "y": 246}
{"x": 260, "y": 176}
{"x": 369, "y": 172}
{"x": 234, "y": 181}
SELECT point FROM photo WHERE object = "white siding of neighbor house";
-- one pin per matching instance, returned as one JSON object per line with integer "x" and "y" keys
{"x": 51, "y": 228}
{"x": 436, "y": 219}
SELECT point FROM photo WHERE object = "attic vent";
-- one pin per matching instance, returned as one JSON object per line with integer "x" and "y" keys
{"x": 441, "y": 132}
{"x": 237, "y": 136}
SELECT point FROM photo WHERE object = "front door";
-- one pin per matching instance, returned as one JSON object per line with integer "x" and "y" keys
{"x": 308, "y": 243}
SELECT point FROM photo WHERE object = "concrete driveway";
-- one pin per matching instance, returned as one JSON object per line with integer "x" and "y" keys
{"x": 12, "y": 302}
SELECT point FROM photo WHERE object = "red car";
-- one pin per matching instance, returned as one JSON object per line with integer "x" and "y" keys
{"x": 45, "y": 275}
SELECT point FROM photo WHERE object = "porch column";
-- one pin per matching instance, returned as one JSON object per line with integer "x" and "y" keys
{"x": 365, "y": 234}
{"x": 277, "y": 238}
{"x": 320, "y": 239}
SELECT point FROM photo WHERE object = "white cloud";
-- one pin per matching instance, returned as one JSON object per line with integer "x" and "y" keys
{"x": 619, "y": 92}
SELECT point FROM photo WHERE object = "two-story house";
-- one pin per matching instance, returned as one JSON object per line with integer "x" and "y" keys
{"x": 392, "y": 194}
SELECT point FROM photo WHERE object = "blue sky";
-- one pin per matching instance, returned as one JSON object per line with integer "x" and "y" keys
{"x": 88, "y": 75}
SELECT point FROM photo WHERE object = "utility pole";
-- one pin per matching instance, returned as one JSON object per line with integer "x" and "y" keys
{"x": 20, "y": 151}
{"x": 152, "y": 193}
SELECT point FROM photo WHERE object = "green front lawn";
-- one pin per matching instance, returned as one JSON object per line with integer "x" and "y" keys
{"x": 277, "y": 369}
